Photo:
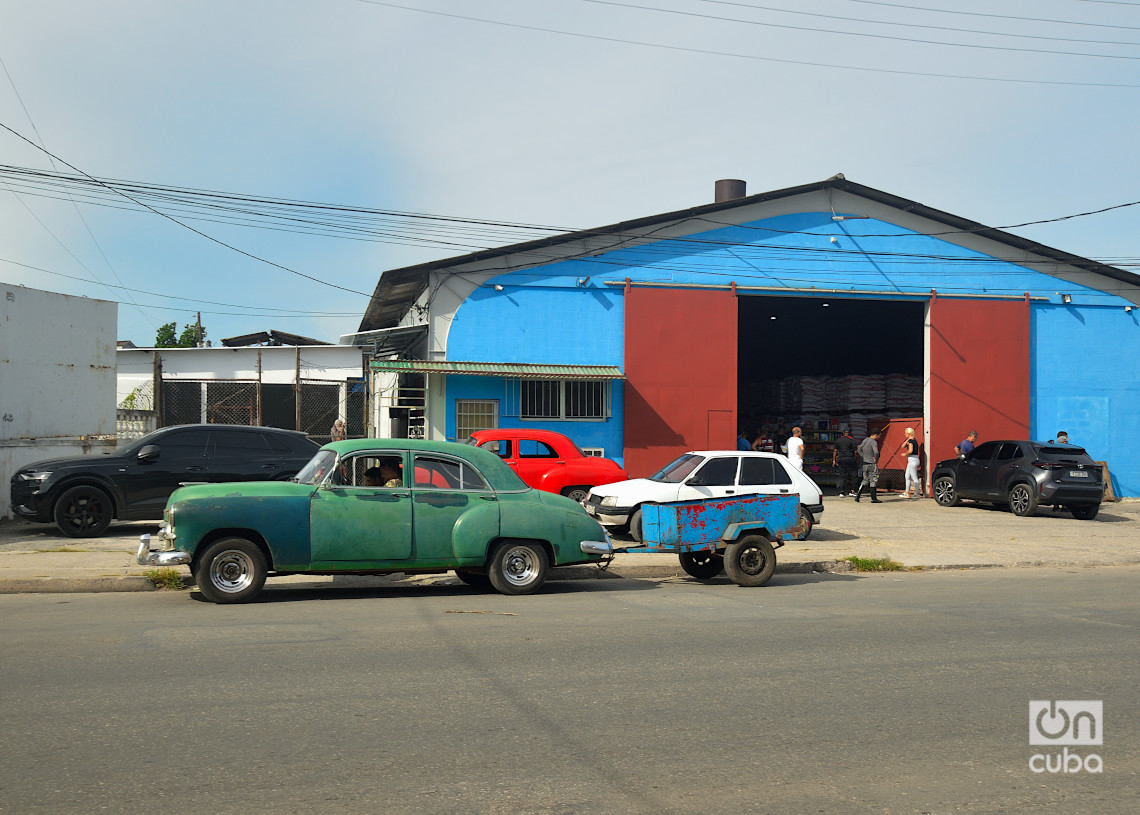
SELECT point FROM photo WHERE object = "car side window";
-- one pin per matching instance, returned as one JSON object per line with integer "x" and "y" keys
{"x": 239, "y": 444}
{"x": 717, "y": 472}
{"x": 1009, "y": 451}
{"x": 446, "y": 474}
{"x": 984, "y": 452}
{"x": 184, "y": 444}
{"x": 279, "y": 447}
{"x": 755, "y": 472}
{"x": 500, "y": 447}
{"x": 370, "y": 471}
{"x": 532, "y": 448}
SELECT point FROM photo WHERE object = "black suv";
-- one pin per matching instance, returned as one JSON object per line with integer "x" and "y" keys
{"x": 1022, "y": 474}
{"x": 81, "y": 495}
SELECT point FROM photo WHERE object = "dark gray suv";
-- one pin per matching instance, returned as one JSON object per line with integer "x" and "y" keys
{"x": 1022, "y": 475}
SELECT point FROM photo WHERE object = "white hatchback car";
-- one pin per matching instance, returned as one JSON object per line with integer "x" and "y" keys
{"x": 705, "y": 474}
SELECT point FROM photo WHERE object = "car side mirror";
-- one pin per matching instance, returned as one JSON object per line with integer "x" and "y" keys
{"x": 696, "y": 481}
{"x": 149, "y": 452}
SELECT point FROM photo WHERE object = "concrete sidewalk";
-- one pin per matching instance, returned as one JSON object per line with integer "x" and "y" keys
{"x": 37, "y": 558}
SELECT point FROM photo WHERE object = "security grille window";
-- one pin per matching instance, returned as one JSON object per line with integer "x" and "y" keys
{"x": 541, "y": 399}
{"x": 475, "y": 414}
{"x": 560, "y": 399}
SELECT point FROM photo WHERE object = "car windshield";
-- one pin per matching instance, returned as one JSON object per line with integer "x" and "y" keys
{"x": 677, "y": 470}
{"x": 318, "y": 467}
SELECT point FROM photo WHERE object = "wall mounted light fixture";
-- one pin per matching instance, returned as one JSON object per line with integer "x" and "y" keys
{"x": 1066, "y": 298}
{"x": 583, "y": 281}
{"x": 1127, "y": 309}
{"x": 498, "y": 287}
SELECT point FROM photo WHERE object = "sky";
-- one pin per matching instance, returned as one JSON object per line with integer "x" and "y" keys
{"x": 565, "y": 114}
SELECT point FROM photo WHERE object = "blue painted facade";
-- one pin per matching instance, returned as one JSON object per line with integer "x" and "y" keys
{"x": 1084, "y": 376}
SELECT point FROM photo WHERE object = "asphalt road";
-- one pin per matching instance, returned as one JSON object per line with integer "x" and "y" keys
{"x": 817, "y": 693}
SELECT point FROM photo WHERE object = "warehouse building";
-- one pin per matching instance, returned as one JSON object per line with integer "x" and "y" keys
{"x": 828, "y": 305}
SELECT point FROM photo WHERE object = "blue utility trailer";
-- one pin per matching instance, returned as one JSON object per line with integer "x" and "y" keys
{"x": 736, "y": 535}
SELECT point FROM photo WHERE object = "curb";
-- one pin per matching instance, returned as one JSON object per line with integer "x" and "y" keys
{"x": 135, "y": 583}
{"x": 75, "y": 585}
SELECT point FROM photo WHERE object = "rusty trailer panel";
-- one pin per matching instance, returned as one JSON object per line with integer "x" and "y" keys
{"x": 712, "y": 523}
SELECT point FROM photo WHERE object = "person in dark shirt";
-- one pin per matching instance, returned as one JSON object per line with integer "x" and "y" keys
{"x": 966, "y": 445}
{"x": 844, "y": 458}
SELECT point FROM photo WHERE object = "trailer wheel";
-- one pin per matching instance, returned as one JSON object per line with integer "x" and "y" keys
{"x": 702, "y": 565}
{"x": 750, "y": 561}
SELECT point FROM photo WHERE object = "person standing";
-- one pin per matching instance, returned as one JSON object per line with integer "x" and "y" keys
{"x": 911, "y": 447}
{"x": 845, "y": 458}
{"x": 1062, "y": 437}
{"x": 742, "y": 443}
{"x": 796, "y": 449}
{"x": 869, "y": 454}
{"x": 966, "y": 445}
{"x": 336, "y": 433}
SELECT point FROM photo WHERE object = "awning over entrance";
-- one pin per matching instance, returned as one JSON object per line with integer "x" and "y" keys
{"x": 515, "y": 370}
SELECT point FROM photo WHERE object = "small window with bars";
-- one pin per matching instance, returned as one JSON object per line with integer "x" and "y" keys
{"x": 560, "y": 399}
{"x": 475, "y": 414}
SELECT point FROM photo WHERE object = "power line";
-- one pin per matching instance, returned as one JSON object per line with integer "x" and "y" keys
{"x": 754, "y": 57}
{"x": 787, "y": 27}
{"x": 183, "y": 225}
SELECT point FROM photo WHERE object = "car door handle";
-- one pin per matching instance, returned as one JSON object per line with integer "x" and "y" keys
{"x": 193, "y": 468}
{"x": 730, "y": 492}
{"x": 270, "y": 466}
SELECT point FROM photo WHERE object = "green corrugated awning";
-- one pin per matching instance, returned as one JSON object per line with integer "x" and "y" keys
{"x": 515, "y": 370}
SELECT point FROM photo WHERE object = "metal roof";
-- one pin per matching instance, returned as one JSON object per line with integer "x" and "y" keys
{"x": 515, "y": 370}
{"x": 270, "y": 338}
{"x": 398, "y": 289}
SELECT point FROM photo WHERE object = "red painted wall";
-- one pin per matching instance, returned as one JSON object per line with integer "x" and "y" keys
{"x": 680, "y": 366}
{"x": 979, "y": 371}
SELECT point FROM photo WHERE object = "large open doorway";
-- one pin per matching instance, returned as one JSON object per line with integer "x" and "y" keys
{"x": 827, "y": 364}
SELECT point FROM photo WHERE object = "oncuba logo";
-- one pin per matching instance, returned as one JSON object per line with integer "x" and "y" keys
{"x": 1063, "y": 723}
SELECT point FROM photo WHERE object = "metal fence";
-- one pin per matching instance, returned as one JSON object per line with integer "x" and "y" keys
{"x": 309, "y": 405}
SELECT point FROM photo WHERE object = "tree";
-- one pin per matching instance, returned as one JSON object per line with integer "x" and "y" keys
{"x": 167, "y": 336}
{"x": 190, "y": 336}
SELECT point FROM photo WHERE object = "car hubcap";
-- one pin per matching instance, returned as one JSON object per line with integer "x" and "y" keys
{"x": 752, "y": 560}
{"x": 520, "y": 567}
{"x": 1019, "y": 499}
{"x": 231, "y": 571}
{"x": 944, "y": 492}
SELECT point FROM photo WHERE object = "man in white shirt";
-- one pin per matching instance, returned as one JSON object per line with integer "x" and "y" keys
{"x": 796, "y": 449}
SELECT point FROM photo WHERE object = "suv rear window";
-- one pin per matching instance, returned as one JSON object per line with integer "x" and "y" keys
{"x": 1067, "y": 453}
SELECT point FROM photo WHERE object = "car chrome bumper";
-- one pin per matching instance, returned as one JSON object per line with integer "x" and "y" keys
{"x": 161, "y": 557}
{"x": 605, "y": 547}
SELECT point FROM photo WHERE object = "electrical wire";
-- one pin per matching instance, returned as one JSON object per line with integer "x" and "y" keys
{"x": 186, "y": 226}
{"x": 464, "y": 234}
{"x": 863, "y": 34}
{"x": 754, "y": 57}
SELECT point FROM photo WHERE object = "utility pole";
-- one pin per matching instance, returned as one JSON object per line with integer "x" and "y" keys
{"x": 199, "y": 344}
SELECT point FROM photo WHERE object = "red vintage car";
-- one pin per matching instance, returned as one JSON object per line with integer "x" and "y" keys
{"x": 549, "y": 461}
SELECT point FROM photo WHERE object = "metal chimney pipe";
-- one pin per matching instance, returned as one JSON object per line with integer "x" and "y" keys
{"x": 728, "y": 189}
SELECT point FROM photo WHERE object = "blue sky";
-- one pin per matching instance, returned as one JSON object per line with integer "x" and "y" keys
{"x": 632, "y": 110}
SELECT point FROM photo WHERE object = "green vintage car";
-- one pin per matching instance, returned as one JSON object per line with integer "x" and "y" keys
{"x": 374, "y": 506}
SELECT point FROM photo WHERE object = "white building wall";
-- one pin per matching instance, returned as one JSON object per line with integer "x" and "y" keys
{"x": 57, "y": 378}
